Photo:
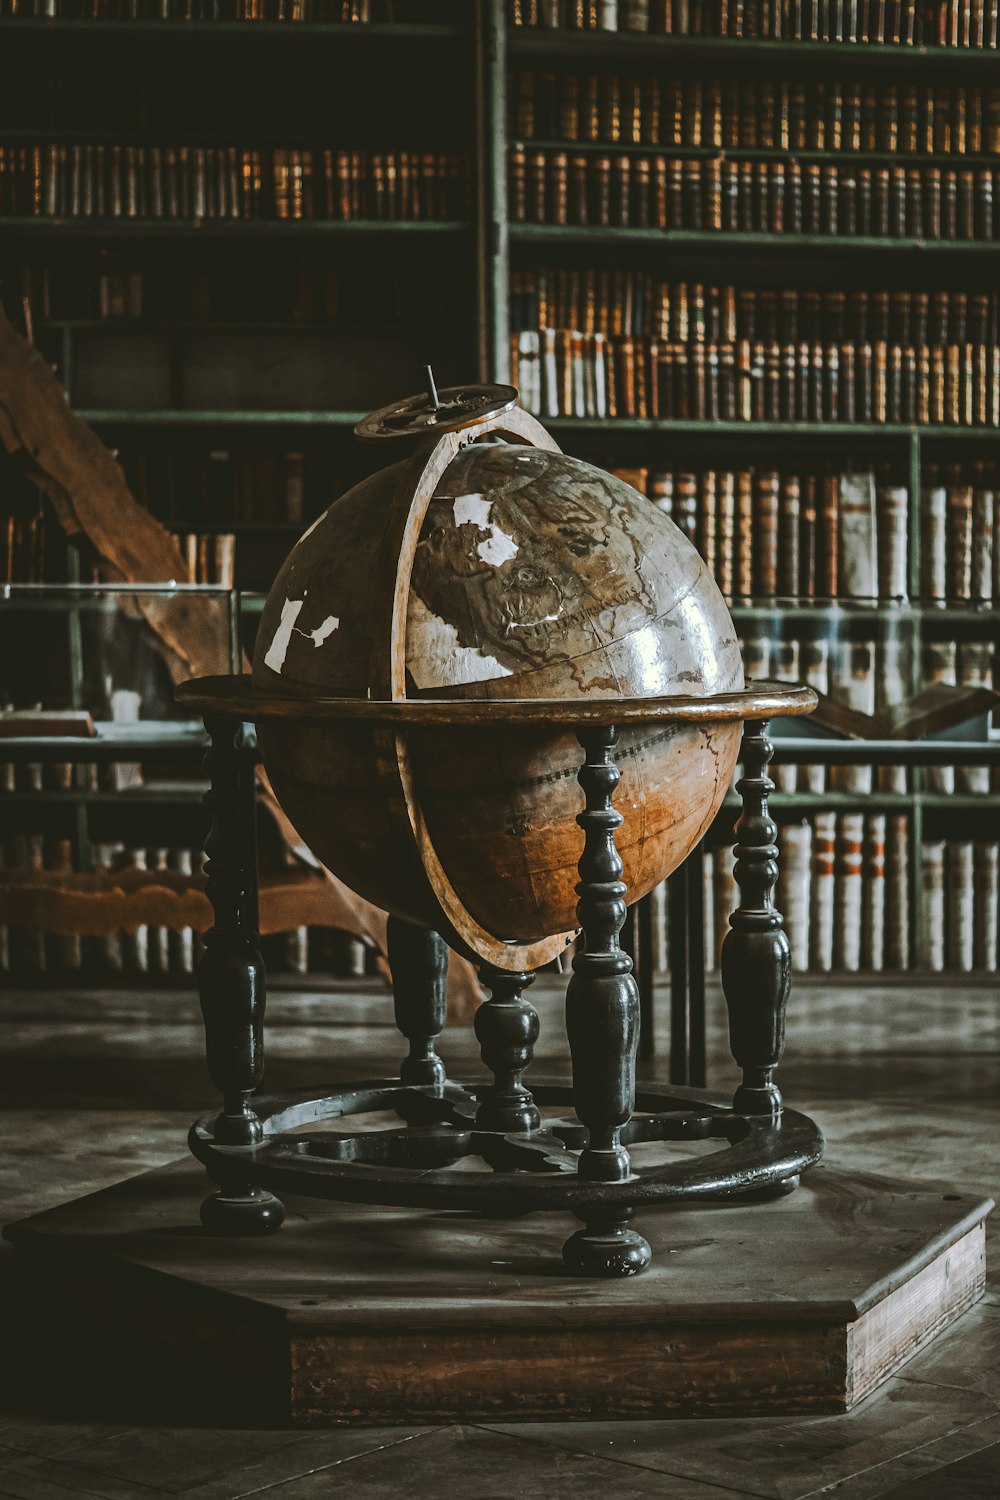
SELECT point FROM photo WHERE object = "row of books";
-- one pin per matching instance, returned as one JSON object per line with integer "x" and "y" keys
{"x": 869, "y": 677}
{"x": 217, "y": 182}
{"x": 945, "y": 23}
{"x": 31, "y": 952}
{"x": 731, "y": 114}
{"x": 845, "y": 890}
{"x": 777, "y": 197}
{"x": 620, "y": 302}
{"x": 768, "y": 533}
{"x": 563, "y": 373}
{"x": 210, "y": 557}
{"x": 298, "y": 287}
{"x": 222, "y": 486}
{"x": 311, "y": 11}
{"x": 24, "y": 547}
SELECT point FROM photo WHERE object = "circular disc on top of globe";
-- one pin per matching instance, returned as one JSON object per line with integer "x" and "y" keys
{"x": 490, "y": 570}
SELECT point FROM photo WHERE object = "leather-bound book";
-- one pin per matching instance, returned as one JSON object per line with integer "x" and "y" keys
{"x": 934, "y": 546}
{"x": 611, "y": 109}
{"x": 691, "y": 192}
{"x": 986, "y": 858}
{"x": 558, "y": 188}
{"x": 686, "y": 505}
{"x": 767, "y": 485}
{"x": 892, "y": 512}
{"x": 650, "y": 111}
{"x": 959, "y": 541}
{"x": 897, "y": 892}
{"x": 960, "y": 884}
{"x": 517, "y": 180}
{"x": 725, "y": 569}
{"x": 823, "y": 893}
{"x": 641, "y": 201}
{"x": 621, "y": 188}
{"x": 631, "y": 111}
{"x": 873, "y": 946}
{"x": 708, "y": 521}
{"x": 793, "y": 891}
{"x": 713, "y": 195}
{"x": 537, "y": 187}
{"x": 601, "y": 169}
{"x": 849, "y": 907}
{"x": 789, "y": 519}
{"x": 858, "y": 563}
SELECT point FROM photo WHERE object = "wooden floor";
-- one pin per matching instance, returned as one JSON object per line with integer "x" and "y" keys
{"x": 903, "y": 1079}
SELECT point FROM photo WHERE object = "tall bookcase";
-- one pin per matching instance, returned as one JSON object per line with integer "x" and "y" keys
{"x": 239, "y": 351}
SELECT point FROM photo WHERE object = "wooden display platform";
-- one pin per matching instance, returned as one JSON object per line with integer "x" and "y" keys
{"x": 376, "y": 1315}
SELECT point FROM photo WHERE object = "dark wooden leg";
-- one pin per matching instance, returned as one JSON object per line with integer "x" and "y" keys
{"x": 602, "y": 1022}
{"x": 232, "y": 979}
{"x": 756, "y": 961}
{"x": 418, "y": 959}
{"x": 507, "y": 1029}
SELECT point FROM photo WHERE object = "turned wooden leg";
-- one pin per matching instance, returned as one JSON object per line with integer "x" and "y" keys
{"x": 507, "y": 1030}
{"x": 602, "y": 1022}
{"x": 418, "y": 959}
{"x": 756, "y": 960}
{"x": 232, "y": 979}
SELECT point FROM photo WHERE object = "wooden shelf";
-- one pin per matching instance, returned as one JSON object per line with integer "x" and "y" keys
{"x": 941, "y": 159}
{"x": 231, "y": 228}
{"x": 174, "y": 418}
{"x": 385, "y": 31}
{"x": 534, "y": 44}
{"x": 609, "y": 425}
{"x": 738, "y": 241}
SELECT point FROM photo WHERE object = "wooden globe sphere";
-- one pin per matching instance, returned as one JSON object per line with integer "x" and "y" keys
{"x": 487, "y": 571}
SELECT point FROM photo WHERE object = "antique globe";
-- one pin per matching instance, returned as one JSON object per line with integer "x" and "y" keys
{"x": 488, "y": 565}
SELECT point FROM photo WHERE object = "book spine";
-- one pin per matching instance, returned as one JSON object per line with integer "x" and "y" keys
{"x": 987, "y": 896}
{"x": 849, "y": 891}
{"x": 933, "y": 905}
{"x": 794, "y": 881}
{"x": 897, "y": 892}
{"x": 892, "y": 505}
{"x": 960, "y": 942}
{"x": 824, "y": 885}
{"x": 875, "y": 892}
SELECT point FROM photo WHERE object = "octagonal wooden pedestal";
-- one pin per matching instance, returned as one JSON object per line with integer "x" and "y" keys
{"x": 377, "y": 1315}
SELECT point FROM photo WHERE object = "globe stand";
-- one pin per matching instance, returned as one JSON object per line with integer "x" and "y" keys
{"x": 578, "y": 1160}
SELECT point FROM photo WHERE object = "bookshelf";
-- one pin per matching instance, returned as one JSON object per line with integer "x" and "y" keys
{"x": 234, "y": 355}
{"x": 591, "y": 76}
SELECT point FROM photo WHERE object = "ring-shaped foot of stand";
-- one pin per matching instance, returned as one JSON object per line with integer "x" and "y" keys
{"x": 606, "y": 1248}
{"x": 250, "y": 1211}
{"x": 773, "y": 1190}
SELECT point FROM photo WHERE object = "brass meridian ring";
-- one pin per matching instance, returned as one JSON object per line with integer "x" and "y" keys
{"x": 416, "y": 416}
